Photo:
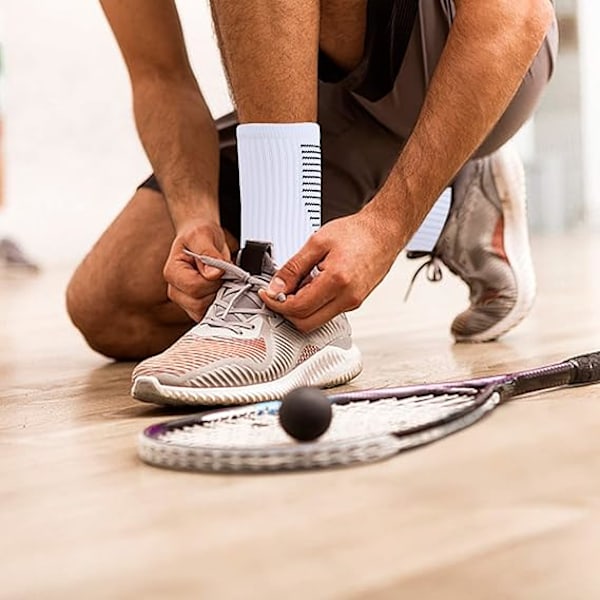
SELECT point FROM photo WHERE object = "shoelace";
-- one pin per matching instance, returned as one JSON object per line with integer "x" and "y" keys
{"x": 237, "y": 283}
{"x": 433, "y": 273}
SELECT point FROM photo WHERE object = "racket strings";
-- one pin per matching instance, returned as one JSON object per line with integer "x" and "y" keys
{"x": 260, "y": 428}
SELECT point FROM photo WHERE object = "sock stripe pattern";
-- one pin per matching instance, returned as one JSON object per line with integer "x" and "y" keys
{"x": 280, "y": 184}
{"x": 311, "y": 182}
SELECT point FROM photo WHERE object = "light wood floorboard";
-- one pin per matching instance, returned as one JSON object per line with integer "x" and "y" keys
{"x": 507, "y": 509}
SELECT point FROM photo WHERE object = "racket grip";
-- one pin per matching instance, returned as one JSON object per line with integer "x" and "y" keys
{"x": 587, "y": 368}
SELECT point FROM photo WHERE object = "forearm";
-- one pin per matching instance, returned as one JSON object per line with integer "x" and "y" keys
{"x": 173, "y": 121}
{"x": 180, "y": 139}
{"x": 488, "y": 51}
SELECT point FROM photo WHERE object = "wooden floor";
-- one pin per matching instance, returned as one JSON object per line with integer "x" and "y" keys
{"x": 507, "y": 509}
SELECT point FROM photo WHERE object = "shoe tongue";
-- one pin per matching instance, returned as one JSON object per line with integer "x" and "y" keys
{"x": 256, "y": 258}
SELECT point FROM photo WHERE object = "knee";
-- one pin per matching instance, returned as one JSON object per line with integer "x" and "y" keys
{"x": 105, "y": 326}
{"x": 90, "y": 317}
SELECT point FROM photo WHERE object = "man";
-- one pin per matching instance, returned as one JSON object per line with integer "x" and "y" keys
{"x": 394, "y": 99}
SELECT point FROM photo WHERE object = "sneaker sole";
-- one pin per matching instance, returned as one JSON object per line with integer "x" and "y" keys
{"x": 516, "y": 244}
{"x": 327, "y": 368}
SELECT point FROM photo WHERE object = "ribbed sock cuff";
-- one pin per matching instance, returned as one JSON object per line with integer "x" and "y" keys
{"x": 280, "y": 183}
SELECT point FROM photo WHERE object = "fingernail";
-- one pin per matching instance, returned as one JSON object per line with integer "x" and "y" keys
{"x": 281, "y": 297}
{"x": 212, "y": 272}
{"x": 276, "y": 288}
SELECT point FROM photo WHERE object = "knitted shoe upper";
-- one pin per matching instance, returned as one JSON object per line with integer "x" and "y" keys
{"x": 240, "y": 341}
{"x": 472, "y": 245}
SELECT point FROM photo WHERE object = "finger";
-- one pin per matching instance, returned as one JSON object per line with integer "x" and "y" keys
{"x": 307, "y": 300}
{"x": 287, "y": 279}
{"x": 209, "y": 272}
{"x": 330, "y": 283}
{"x": 191, "y": 283}
{"x": 195, "y": 308}
{"x": 320, "y": 317}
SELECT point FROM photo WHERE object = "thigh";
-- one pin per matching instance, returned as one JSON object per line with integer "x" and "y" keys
{"x": 342, "y": 32}
{"x": 122, "y": 273}
{"x": 400, "y": 108}
{"x": 363, "y": 136}
{"x": 527, "y": 97}
{"x": 117, "y": 297}
{"x": 364, "y": 119}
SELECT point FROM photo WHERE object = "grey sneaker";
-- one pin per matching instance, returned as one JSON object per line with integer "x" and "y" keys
{"x": 485, "y": 242}
{"x": 12, "y": 257}
{"x": 241, "y": 352}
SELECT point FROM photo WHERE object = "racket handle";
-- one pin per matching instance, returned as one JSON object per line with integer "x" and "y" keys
{"x": 574, "y": 371}
{"x": 587, "y": 368}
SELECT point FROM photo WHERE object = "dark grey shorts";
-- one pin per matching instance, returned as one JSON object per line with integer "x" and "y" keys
{"x": 362, "y": 133}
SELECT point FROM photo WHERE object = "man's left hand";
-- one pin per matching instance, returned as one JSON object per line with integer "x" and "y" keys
{"x": 353, "y": 254}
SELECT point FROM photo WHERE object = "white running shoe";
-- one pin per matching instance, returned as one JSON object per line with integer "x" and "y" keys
{"x": 241, "y": 352}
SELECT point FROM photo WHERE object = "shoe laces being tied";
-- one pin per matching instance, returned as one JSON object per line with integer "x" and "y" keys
{"x": 433, "y": 271}
{"x": 237, "y": 300}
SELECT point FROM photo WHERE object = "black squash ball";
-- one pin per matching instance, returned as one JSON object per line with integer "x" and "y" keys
{"x": 305, "y": 414}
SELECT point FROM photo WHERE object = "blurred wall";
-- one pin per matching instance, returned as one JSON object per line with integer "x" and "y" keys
{"x": 554, "y": 170}
{"x": 73, "y": 158}
{"x": 589, "y": 18}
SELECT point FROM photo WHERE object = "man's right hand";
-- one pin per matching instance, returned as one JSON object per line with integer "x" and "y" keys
{"x": 192, "y": 284}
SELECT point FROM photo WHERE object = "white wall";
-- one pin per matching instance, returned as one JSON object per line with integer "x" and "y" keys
{"x": 589, "y": 45}
{"x": 73, "y": 158}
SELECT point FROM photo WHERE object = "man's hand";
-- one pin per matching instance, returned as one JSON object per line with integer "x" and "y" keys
{"x": 353, "y": 254}
{"x": 480, "y": 70}
{"x": 192, "y": 284}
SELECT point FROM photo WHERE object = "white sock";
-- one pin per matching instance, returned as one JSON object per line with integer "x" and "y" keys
{"x": 426, "y": 237}
{"x": 280, "y": 184}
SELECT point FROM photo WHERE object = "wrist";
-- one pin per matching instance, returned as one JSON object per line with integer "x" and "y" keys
{"x": 192, "y": 209}
{"x": 408, "y": 194}
{"x": 391, "y": 219}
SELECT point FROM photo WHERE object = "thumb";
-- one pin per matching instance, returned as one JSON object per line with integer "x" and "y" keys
{"x": 208, "y": 271}
{"x": 212, "y": 272}
{"x": 288, "y": 278}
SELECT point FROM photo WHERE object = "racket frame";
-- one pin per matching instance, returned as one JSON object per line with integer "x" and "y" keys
{"x": 489, "y": 391}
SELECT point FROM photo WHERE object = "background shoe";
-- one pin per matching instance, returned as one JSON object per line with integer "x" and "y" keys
{"x": 241, "y": 352}
{"x": 486, "y": 243}
{"x": 12, "y": 257}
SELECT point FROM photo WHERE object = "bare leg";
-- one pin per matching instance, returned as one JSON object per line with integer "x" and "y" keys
{"x": 342, "y": 32}
{"x": 270, "y": 50}
{"x": 117, "y": 297}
